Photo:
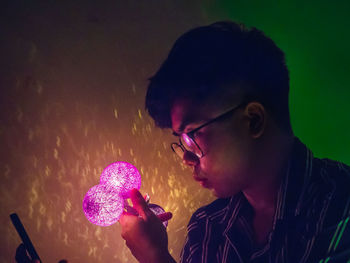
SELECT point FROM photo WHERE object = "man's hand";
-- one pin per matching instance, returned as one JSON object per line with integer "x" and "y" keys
{"x": 145, "y": 235}
{"x": 22, "y": 255}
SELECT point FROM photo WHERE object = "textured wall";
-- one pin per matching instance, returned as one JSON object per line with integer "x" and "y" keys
{"x": 73, "y": 83}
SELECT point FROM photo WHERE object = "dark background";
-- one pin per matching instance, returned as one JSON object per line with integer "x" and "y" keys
{"x": 73, "y": 78}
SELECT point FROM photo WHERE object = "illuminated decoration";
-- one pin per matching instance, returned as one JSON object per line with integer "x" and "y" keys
{"x": 103, "y": 205}
{"x": 122, "y": 176}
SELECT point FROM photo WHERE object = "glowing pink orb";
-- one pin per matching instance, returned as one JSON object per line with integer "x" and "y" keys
{"x": 103, "y": 205}
{"x": 122, "y": 176}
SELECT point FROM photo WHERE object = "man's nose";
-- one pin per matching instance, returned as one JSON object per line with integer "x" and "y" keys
{"x": 190, "y": 158}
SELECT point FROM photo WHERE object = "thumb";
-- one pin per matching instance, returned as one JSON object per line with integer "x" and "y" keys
{"x": 165, "y": 216}
{"x": 140, "y": 204}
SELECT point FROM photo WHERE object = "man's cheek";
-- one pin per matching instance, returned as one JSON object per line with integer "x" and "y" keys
{"x": 214, "y": 164}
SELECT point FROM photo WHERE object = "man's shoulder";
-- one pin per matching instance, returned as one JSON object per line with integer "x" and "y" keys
{"x": 331, "y": 172}
{"x": 328, "y": 190}
{"x": 332, "y": 164}
{"x": 327, "y": 201}
{"x": 329, "y": 180}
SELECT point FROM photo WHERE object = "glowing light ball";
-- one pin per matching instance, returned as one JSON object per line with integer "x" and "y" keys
{"x": 122, "y": 176}
{"x": 103, "y": 205}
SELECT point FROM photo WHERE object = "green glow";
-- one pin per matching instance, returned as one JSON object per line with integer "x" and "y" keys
{"x": 313, "y": 36}
{"x": 327, "y": 259}
{"x": 341, "y": 233}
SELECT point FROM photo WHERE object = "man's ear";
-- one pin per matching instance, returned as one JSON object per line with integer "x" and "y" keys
{"x": 256, "y": 114}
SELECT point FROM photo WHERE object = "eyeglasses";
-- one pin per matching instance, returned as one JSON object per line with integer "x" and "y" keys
{"x": 187, "y": 141}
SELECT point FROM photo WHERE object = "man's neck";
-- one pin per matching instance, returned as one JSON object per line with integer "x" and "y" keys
{"x": 262, "y": 194}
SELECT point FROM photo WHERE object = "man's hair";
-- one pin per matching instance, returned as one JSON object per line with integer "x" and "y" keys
{"x": 210, "y": 60}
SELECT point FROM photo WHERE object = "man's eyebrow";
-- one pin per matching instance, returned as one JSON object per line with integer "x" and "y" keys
{"x": 183, "y": 127}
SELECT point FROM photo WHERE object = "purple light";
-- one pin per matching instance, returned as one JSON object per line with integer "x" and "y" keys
{"x": 187, "y": 140}
{"x": 103, "y": 205}
{"x": 157, "y": 210}
{"x": 122, "y": 176}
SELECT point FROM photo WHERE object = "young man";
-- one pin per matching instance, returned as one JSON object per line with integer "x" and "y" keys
{"x": 223, "y": 90}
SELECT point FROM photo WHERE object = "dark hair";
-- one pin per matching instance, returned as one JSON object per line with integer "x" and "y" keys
{"x": 205, "y": 58}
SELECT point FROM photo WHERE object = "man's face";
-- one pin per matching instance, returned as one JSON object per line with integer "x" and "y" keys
{"x": 227, "y": 164}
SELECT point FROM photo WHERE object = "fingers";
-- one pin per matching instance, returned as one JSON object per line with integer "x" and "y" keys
{"x": 165, "y": 216}
{"x": 126, "y": 217}
{"x": 139, "y": 204}
{"x": 146, "y": 197}
{"x": 131, "y": 210}
{"x": 140, "y": 207}
{"x": 129, "y": 223}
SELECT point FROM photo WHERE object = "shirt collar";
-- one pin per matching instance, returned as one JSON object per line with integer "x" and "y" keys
{"x": 290, "y": 192}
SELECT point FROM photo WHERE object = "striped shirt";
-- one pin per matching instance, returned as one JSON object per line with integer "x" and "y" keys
{"x": 310, "y": 223}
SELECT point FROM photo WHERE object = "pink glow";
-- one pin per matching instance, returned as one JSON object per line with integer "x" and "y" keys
{"x": 122, "y": 176}
{"x": 103, "y": 205}
{"x": 187, "y": 140}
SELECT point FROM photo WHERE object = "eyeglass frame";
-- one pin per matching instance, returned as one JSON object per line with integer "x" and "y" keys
{"x": 191, "y": 133}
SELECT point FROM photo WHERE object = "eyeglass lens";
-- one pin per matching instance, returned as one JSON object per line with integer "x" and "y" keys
{"x": 178, "y": 150}
{"x": 190, "y": 144}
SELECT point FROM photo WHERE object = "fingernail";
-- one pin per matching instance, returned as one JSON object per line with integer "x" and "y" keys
{"x": 147, "y": 198}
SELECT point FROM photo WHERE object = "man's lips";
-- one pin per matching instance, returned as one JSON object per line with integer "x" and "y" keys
{"x": 198, "y": 179}
{"x": 203, "y": 181}
{"x": 205, "y": 184}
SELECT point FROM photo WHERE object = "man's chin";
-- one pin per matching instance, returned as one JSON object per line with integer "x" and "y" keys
{"x": 221, "y": 194}
{"x": 216, "y": 193}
